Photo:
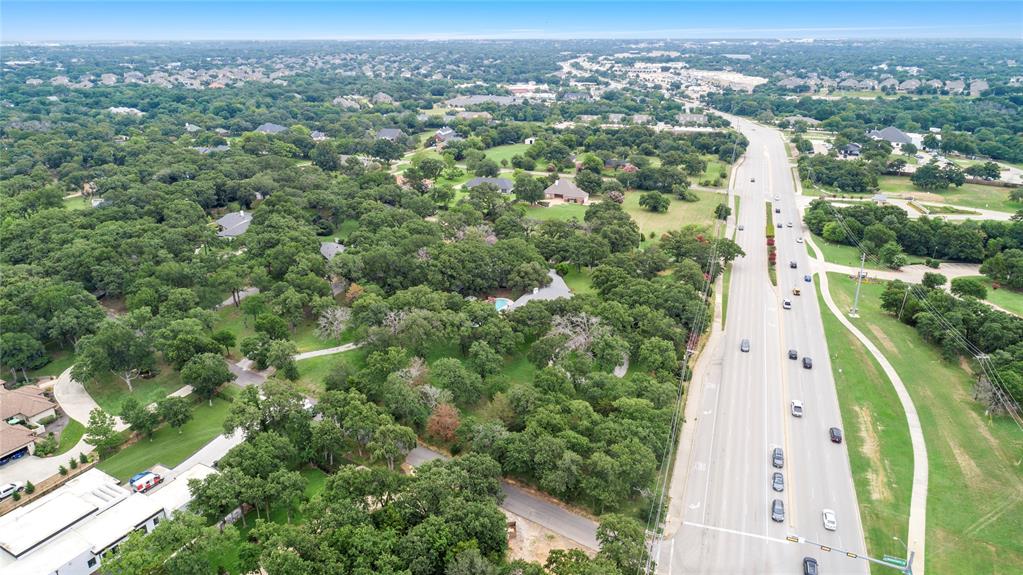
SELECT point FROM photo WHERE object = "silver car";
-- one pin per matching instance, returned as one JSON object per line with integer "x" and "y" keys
{"x": 778, "y": 482}
{"x": 777, "y": 510}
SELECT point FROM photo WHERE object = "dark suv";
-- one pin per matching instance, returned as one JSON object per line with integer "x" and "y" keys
{"x": 836, "y": 435}
{"x": 793, "y": 354}
{"x": 807, "y": 362}
{"x": 810, "y": 566}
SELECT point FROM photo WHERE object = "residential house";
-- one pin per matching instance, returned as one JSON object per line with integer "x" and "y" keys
{"x": 585, "y": 118}
{"x": 616, "y": 118}
{"x": 318, "y": 136}
{"x": 463, "y": 101}
{"x": 955, "y": 86}
{"x": 575, "y": 97}
{"x": 345, "y": 103}
{"x": 234, "y": 224}
{"x": 473, "y": 115}
{"x": 851, "y": 150}
{"x": 641, "y": 119}
{"x": 504, "y": 185}
{"x": 70, "y": 530}
{"x": 889, "y": 84}
{"x": 210, "y": 149}
{"x": 15, "y": 441}
{"x": 620, "y": 165}
{"x": 125, "y": 111}
{"x": 691, "y": 119}
{"x": 446, "y": 134}
{"x": 192, "y": 128}
{"x": 26, "y": 404}
{"x": 270, "y": 128}
{"x": 792, "y": 120}
{"x": 391, "y": 134}
{"x": 331, "y": 249}
{"x": 381, "y": 98}
{"x": 977, "y": 87}
{"x": 529, "y": 141}
{"x": 896, "y": 137}
{"x": 566, "y": 190}
{"x": 909, "y": 85}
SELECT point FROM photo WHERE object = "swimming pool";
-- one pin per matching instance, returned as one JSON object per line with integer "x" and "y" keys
{"x": 501, "y": 303}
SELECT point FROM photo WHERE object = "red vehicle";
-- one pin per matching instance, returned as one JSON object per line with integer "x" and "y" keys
{"x": 143, "y": 482}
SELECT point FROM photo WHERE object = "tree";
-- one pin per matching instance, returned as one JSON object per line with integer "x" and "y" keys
{"x": 969, "y": 287}
{"x": 116, "y": 348}
{"x": 933, "y": 280}
{"x": 142, "y": 420}
{"x": 622, "y": 542}
{"x": 176, "y": 411}
{"x": 287, "y": 488}
{"x": 225, "y": 339}
{"x": 470, "y": 562}
{"x": 280, "y": 355}
{"x": 100, "y": 430}
{"x": 657, "y": 354}
{"x": 931, "y": 141}
{"x": 392, "y": 442}
{"x": 655, "y": 202}
{"x": 450, "y": 374}
{"x": 333, "y": 321}
{"x": 206, "y": 372}
{"x": 589, "y": 182}
{"x": 722, "y": 211}
{"x": 443, "y": 422}
{"x": 909, "y": 148}
{"x": 930, "y": 177}
{"x": 487, "y": 168}
{"x": 21, "y": 351}
{"x": 183, "y": 544}
{"x": 528, "y": 189}
{"x": 987, "y": 171}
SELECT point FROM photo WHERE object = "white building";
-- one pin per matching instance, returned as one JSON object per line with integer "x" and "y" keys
{"x": 69, "y": 531}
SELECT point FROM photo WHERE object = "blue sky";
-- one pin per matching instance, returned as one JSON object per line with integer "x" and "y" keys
{"x": 87, "y": 21}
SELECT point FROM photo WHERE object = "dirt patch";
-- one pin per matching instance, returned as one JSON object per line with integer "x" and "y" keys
{"x": 531, "y": 541}
{"x": 877, "y": 476}
{"x": 971, "y": 473}
{"x": 925, "y": 197}
{"x": 883, "y": 338}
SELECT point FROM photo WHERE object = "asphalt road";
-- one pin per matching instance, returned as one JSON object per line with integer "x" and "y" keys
{"x": 743, "y": 411}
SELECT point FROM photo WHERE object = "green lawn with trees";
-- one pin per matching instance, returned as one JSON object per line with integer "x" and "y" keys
{"x": 679, "y": 212}
{"x": 972, "y": 522}
{"x": 968, "y": 195}
{"x": 1006, "y": 298}
{"x": 109, "y": 392}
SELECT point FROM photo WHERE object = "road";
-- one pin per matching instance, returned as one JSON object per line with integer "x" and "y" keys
{"x": 742, "y": 411}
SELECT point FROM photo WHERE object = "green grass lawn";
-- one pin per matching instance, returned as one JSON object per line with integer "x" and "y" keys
{"x": 70, "y": 436}
{"x": 109, "y": 391}
{"x": 877, "y": 437}
{"x": 77, "y": 203}
{"x": 506, "y": 152}
{"x": 1006, "y": 298}
{"x": 169, "y": 447}
{"x": 727, "y": 282}
{"x": 713, "y": 171}
{"x": 849, "y": 255}
{"x": 975, "y": 503}
{"x": 967, "y": 195}
{"x": 580, "y": 282}
{"x": 233, "y": 320}
{"x": 312, "y": 371}
{"x": 556, "y": 212}
{"x": 60, "y": 360}
{"x": 679, "y": 213}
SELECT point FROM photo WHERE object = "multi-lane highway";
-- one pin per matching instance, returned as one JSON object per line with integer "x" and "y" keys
{"x": 742, "y": 411}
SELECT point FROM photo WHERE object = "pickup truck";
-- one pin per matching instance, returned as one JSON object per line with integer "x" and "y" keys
{"x": 143, "y": 482}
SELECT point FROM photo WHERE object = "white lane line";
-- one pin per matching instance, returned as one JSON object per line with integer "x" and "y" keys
{"x": 736, "y": 532}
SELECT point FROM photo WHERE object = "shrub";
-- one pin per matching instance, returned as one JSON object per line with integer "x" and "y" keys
{"x": 30, "y": 487}
{"x": 16, "y": 496}
{"x": 48, "y": 420}
{"x": 62, "y": 470}
{"x": 83, "y": 458}
{"x": 73, "y": 463}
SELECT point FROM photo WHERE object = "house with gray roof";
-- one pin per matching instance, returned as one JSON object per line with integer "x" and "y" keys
{"x": 381, "y": 98}
{"x": 504, "y": 185}
{"x": 463, "y": 101}
{"x": 892, "y": 135}
{"x": 318, "y": 136}
{"x": 270, "y": 128}
{"x": 331, "y": 249}
{"x": 392, "y": 134}
{"x": 234, "y": 224}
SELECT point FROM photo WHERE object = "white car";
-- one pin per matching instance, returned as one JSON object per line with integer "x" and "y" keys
{"x": 830, "y": 520}
{"x": 777, "y": 198}
{"x": 786, "y": 303}
{"x": 9, "y": 489}
{"x": 799, "y": 240}
{"x": 788, "y": 225}
{"x": 797, "y": 408}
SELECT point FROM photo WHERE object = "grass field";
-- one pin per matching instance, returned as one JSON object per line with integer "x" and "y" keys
{"x": 70, "y": 436}
{"x": 109, "y": 391}
{"x": 60, "y": 359}
{"x": 506, "y": 152}
{"x": 557, "y": 212}
{"x": 312, "y": 371}
{"x": 849, "y": 255}
{"x": 713, "y": 170}
{"x": 77, "y": 203}
{"x": 1006, "y": 298}
{"x": 579, "y": 281}
{"x": 679, "y": 213}
{"x": 877, "y": 436}
{"x": 168, "y": 447}
{"x": 233, "y": 320}
{"x": 968, "y": 195}
{"x": 975, "y": 503}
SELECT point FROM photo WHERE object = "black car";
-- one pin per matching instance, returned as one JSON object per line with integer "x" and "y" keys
{"x": 807, "y": 363}
{"x": 810, "y": 566}
{"x": 778, "y": 457}
{"x": 792, "y": 264}
{"x": 836, "y": 435}
{"x": 793, "y": 354}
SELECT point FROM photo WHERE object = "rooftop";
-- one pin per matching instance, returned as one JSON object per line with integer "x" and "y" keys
{"x": 234, "y": 224}
{"x": 27, "y": 401}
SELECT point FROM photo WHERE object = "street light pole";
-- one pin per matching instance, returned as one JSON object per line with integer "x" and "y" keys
{"x": 855, "y": 311}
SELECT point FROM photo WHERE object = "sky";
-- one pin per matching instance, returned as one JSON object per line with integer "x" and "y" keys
{"x": 144, "y": 20}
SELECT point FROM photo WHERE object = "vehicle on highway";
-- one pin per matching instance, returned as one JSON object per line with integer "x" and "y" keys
{"x": 741, "y": 227}
{"x": 830, "y": 520}
{"x": 810, "y": 566}
{"x": 777, "y": 211}
{"x": 752, "y": 179}
{"x": 778, "y": 510}
{"x": 793, "y": 264}
{"x": 9, "y": 489}
{"x": 744, "y": 345}
{"x": 778, "y": 482}
{"x": 793, "y": 354}
{"x": 836, "y": 435}
{"x": 788, "y": 225}
{"x": 143, "y": 482}
{"x": 797, "y": 408}
{"x": 807, "y": 363}
{"x": 778, "y": 457}
{"x": 795, "y": 291}
{"x": 786, "y": 303}
{"x": 799, "y": 240}
{"x": 807, "y": 278}
{"x": 779, "y": 225}
{"x": 777, "y": 197}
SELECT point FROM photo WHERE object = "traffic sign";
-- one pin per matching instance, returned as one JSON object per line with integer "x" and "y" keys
{"x": 894, "y": 560}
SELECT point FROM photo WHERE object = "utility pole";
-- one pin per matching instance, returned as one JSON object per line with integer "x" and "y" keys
{"x": 903, "y": 306}
{"x": 855, "y": 311}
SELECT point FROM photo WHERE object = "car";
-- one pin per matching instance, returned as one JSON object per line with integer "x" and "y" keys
{"x": 807, "y": 363}
{"x": 799, "y": 240}
{"x": 786, "y": 303}
{"x": 778, "y": 457}
{"x": 778, "y": 481}
{"x": 797, "y": 408}
{"x": 143, "y": 482}
{"x": 795, "y": 291}
{"x": 752, "y": 179}
{"x": 777, "y": 210}
{"x": 779, "y": 225}
{"x": 830, "y": 519}
{"x": 793, "y": 354}
{"x": 741, "y": 227}
{"x": 777, "y": 197}
{"x": 810, "y": 566}
{"x": 777, "y": 510}
{"x": 9, "y": 489}
{"x": 744, "y": 345}
{"x": 788, "y": 225}
{"x": 807, "y": 278}
{"x": 793, "y": 264}
{"x": 836, "y": 435}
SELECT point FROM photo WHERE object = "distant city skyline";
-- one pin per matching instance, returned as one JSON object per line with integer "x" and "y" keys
{"x": 87, "y": 21}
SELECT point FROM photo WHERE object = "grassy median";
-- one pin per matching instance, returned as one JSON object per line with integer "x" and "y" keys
{"x": 975, "y": 502}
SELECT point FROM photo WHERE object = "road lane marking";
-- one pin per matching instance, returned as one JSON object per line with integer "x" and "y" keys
{"x": 735, "y": 532}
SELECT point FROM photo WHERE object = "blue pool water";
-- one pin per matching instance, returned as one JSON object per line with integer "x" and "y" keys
{"x": 501, "y": 303}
